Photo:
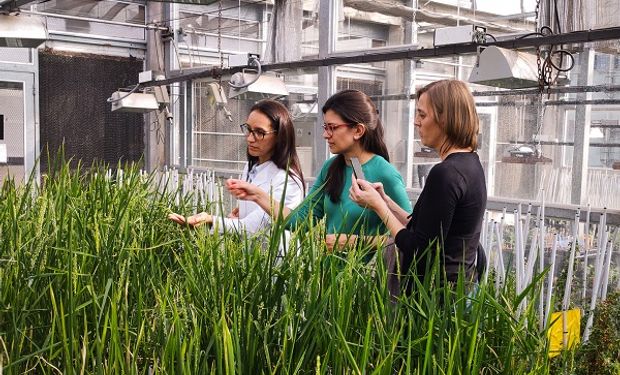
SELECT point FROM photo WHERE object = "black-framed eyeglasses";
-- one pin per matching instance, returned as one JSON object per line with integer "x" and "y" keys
{"x": 329, "y": 128}
{"x": 259, "y": 134}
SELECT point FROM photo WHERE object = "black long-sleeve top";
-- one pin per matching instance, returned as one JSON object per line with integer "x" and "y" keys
{"x": 451, "y": 206}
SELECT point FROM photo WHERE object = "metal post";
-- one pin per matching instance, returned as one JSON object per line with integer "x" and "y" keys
{"x": 328, "y": 33}
{"x": 155, "y": 123}
{"x": 411, "y": 37}
{"x": 172, "y": 142}
{"x": 582, "y": 130}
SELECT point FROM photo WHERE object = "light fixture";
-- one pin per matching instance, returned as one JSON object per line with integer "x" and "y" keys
{"x": 21, "y": 31}
{"x": 133, "y": 102}
{"x": 256, "y": 86}
{"x": 596, "y": 132}
{"x": 525, "y": 154}
{"x": 155, "y": 97}
{"x": 426, "y": 152}
{"x": 219, "y": 98}
{"x": 508, "y": 69}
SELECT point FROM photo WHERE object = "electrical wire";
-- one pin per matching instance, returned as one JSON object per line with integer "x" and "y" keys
{"x": 548, "y": 65}
{"x": 112, "y": 100}
{"x": 253, "y": 61}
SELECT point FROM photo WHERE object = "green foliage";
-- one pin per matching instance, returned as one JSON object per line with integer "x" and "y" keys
{"x": 601, "y": 354}
{"x": 95, "y": 280}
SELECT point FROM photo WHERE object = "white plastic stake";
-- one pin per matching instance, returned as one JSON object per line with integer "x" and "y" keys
{"x": 610, "y": 247}
{"x": 586, "y": 247}
{"x": 551, "y": 276}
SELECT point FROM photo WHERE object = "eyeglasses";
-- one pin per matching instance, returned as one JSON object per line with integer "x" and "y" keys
{"x": 329, "y": 128}
{"x": 259, "y": 134}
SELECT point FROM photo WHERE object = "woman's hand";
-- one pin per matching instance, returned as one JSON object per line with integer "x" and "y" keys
{"x": 338, "y": 241}
{"x": 179, "y": 219}
{"x": 234, "y": 214}
{"x": 192, "y": 221}
{"x": 366, "y": 194}
{"x": 243, "y": 190}
{"x": 379, "y": 188}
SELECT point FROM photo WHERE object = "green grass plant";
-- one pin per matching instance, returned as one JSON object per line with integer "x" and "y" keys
{"x": 95, "y": 280}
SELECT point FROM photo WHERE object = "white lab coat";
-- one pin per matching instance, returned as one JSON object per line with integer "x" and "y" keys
{"x": 252, "y": 218}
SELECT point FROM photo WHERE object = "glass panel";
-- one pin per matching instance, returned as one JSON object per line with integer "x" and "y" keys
{"x": 12, "y": 122}
{"x": 105, "y": 10}
{"x": 205, "y": 35}
{"x": 218, "y": 142}
{"x": 123, "y": 15}
{"x": 363, "y": 23}
{"x": 310, "y": 29}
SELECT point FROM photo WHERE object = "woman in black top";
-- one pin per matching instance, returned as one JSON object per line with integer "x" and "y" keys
{"x": 452, "y": 203}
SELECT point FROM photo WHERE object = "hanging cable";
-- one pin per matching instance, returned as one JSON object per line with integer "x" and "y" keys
{"x": 546, "y": 64}
{"x": 112, "y": 100}
{"x": 259, "y": 70}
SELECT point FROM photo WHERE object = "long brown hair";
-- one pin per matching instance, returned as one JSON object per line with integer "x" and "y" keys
{"x": 354, "y": 107}
{"x": 284, "y": 155}
{"x": 454, "y": 110}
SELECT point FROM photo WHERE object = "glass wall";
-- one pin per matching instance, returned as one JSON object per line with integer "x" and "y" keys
{"x": 561, "y": 128}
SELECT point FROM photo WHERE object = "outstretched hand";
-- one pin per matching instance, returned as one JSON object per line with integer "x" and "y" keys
{"x": 192, "y": 221}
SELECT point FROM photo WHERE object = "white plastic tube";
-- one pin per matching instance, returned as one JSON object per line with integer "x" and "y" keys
{"x": 551, "y": 276}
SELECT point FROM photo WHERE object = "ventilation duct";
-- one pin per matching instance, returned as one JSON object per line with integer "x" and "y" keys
{"x": 21, "y": 31}
{"x": 499, "y": 67}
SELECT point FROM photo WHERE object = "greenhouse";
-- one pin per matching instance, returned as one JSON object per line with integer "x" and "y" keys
{"x": 309, "y": 187}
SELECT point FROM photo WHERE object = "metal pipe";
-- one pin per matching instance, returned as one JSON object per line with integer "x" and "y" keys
{"x": 552, "y": 210}
{"x": 516, "y": 92}
{"x": 411, "y": 52}
{"x": 99, "y": 39}
{"x": 97, "y": 20}
{"x": 235, "y": 37}
{"x": 582, "y": 102}
{"x": 549, "y": 143}
{"x": 216, "y": 133}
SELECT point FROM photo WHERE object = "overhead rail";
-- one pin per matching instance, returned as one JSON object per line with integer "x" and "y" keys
{"x": 403, "y": 52}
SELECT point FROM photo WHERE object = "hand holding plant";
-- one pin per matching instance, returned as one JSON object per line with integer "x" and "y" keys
{"x": 234, "y": 214}
{"x": 244, "y": 190}
{"x": 192, "y": 221}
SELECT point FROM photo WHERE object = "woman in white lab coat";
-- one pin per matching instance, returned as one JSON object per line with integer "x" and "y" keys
{"x": 270, "y": 137}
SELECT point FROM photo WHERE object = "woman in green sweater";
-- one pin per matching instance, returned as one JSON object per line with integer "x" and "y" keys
{"x": 352, "y": 129}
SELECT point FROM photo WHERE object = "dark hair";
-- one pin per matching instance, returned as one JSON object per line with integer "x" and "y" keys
{"x": 354, "y": 107}
{"x": 454, "y": 110}
{"x": 284, "y": 155}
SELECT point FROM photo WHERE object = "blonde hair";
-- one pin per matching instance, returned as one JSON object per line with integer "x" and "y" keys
{"x": 455, "y": 111}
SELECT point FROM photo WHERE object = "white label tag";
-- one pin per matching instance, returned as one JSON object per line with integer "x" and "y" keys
{"x": 3, "y": 154}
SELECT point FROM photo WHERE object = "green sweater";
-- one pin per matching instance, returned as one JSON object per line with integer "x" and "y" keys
{"x": 346, "y": 216}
